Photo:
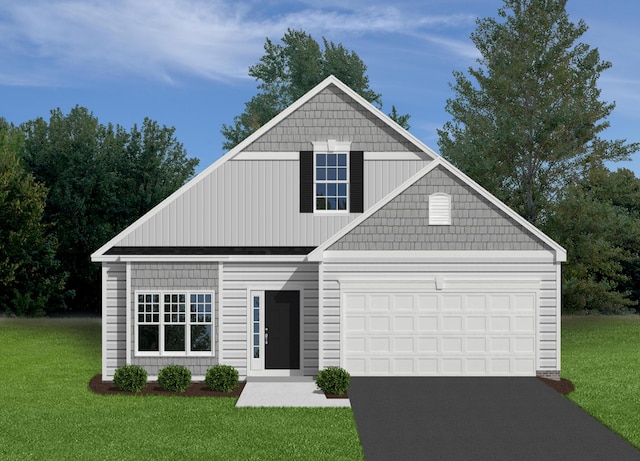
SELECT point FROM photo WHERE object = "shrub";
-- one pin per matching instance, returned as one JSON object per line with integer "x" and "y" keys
{"x": 333, "y": 380}
{"x": 222, "y": 378}
{"x": 174, "y": 378}
{"x": 130, "y": 378}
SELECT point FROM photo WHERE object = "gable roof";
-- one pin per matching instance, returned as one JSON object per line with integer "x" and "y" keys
{"x": 99, "y": 254}
{"x": 560, "y": 253}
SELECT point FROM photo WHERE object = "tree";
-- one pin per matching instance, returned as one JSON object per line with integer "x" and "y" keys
{"x": 287, "y": 71}
{"x": 100, "y": 179}
{"x": 527, "y": 122}
{"x": 598, "y": 222}
{"x": 31, "y": 279}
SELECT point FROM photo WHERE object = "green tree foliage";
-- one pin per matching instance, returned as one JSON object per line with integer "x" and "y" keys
{"x": 598, "y": 222}
{"x": 100, "y": 179}
{"x": 526, "y": 123}
{"x": 31, "y": 279}
{"x": 290, "y": 69}
{"x": 402, "y": 120}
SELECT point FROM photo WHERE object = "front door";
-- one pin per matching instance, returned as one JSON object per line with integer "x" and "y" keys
{"x": 282, "y": 330}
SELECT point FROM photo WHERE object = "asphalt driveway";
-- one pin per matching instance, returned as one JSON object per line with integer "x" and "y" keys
{"x": 477, "y": 419}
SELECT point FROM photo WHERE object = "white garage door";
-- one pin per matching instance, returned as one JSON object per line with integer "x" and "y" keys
{"x": 491, "y": 333}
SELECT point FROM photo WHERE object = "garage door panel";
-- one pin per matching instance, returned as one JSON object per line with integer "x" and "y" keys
{"x": 379, "y": 302}
{"x": 403, "y": 323}
{"x": 451, "y": 324}
{"x": 404, "y": 303}
{"x": 477, "y": 345}
{"x": 427, "y": 303}
{"x": 524, "y": 324}
{"x": 404, "y": 345}
{"x": 379, "y": 323}
{"x": 380, "y": 344}
{"x": 451, "y": 302}
{"x": 456, "y": 334}
{"x": 476, "y": 324}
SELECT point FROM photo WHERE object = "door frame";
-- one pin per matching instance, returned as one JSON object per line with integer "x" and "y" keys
{"x": 255, "y": 367}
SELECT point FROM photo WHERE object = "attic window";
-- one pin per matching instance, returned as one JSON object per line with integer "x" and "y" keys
{"x": 440, "y": 209}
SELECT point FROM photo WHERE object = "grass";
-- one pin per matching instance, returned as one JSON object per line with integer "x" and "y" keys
{"x": 48, "y": 412}
{"x": 601, "y": 355}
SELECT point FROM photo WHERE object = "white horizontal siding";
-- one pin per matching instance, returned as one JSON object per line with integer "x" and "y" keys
{"x": 239, "y": 279}
{"x": 114, "y": 318}
{"x": 547, "y": 320}
{"x": 257, "y": 203}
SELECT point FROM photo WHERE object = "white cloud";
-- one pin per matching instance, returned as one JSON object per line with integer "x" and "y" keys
{"x": 44, "y": 42}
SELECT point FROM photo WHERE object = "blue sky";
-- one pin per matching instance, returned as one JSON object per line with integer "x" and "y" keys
{"x": 184, "y": 63}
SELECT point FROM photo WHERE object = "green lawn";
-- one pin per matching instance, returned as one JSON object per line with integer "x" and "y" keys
{"x": 47, "y": 411}
{"x": 601, "y": 355}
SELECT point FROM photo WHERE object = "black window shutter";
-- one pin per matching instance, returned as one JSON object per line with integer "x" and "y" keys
{"x": 356, "y": 182}
{"x": 306, "y": 182}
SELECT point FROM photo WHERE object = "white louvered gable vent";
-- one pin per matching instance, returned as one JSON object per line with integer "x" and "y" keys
{"x": 440, "y": 209}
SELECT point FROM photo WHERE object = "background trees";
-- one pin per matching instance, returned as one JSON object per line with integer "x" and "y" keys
{"x": 290, "y": 69}
{"x": 100, "y": 178}
{"x": 527, "y": 122}
{"x": 31, "y": 278}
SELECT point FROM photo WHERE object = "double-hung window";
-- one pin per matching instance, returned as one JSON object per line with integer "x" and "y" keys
{"x": 331, "y": 180}
{"x": 174, "y": 323}
{"x": 331, "y": 176}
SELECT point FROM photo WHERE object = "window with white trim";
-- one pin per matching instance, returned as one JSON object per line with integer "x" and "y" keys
{"x": 331, "y": 175}
{"x": 174, "y": 323}
{"x": 439, "y": 209}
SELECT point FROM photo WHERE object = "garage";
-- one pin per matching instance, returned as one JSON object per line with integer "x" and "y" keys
{"x": 465, "y": 328}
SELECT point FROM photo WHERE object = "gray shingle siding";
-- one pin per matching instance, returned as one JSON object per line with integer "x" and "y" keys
{"x": 403, "y": 223}
{"x": 331, "y": 114}
{"x": 173, "y": 276}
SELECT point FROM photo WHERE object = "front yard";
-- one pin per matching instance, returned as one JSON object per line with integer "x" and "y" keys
{"x": 48, "y": 412}
{"x": 601, "y": 355}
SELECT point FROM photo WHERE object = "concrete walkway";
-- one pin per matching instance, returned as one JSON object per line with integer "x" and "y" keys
{"x": 286, "y": 392}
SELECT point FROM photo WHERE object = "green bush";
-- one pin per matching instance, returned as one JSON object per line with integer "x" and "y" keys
{"x": 175, "y": 378}
{"x": 222, "y": 378}
{"x": 333, "y": 380}
{"x": 130, "y": 378}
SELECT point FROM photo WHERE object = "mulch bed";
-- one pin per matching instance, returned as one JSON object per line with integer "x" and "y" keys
{"x": 564, "y": 386}
{"x": 195, "y": 390}
{"x": 334, "y": 396}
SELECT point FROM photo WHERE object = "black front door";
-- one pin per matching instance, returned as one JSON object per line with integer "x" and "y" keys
{"x": 282, "y": 330}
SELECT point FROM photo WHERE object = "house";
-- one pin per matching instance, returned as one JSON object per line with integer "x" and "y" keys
{"x": 332, "y": 237}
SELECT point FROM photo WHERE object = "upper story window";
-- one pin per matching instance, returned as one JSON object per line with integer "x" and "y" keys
{"x": 331, "y": 181}
{"x": 331, "y": 178}
{"x": 439, "y": 209}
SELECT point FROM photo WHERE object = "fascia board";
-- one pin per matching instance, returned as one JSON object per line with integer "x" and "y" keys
{"x": 317, "y": 254}
{"x": 209, "y": 258}
{"x": 438, "y": 256}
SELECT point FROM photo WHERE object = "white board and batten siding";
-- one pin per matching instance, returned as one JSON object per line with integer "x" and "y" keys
{"x": 242, "y": 278}
{"x": 114, "y": 318}
{"x": 257, "y": 203}
{"x": 445, "y": 319}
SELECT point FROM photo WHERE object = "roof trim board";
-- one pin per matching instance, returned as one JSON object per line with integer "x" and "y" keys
{"x": 195, "y": 251}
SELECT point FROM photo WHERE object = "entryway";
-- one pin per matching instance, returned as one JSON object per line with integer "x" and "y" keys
{"x": 286, "y": 392}
{"x": 275, "y": 332}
